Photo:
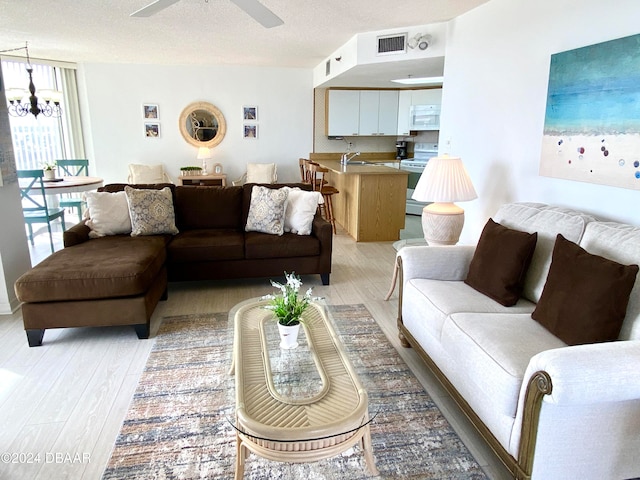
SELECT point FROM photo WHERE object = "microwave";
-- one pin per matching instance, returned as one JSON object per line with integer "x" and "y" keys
{"x": 424, "y": 117}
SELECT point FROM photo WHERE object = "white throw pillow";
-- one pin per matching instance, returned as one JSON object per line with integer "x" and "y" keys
{"x": 139, "y": 174}
{"x": 107, "y": 213}
{"x": 151, "y": 211}
{"x": 301, "y": 208}
{"x": 267, "y": 210}
{"x": 261, "y": 173}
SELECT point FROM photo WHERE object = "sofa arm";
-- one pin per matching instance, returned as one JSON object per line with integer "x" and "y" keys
{"x": 585, "y": 392}
{"x": 438, "y": 263}
{"x": 324, "y": 232}
{"x": 79, "y": 233}
{"x": 588, "y": 374}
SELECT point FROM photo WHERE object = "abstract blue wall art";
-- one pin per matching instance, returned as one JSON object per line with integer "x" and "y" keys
{"x": 592, "y": 120}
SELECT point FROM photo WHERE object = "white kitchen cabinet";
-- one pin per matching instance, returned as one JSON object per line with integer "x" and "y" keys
{"x": 404, "y": 104}
{"x": 368, "y": 118}
{"x": 388, "y": 112}
{"x": 343, "y": 117}
{"x": 362, "y": 112}
{"x": 378, "y": 112}
{"x": 409, "y": 98}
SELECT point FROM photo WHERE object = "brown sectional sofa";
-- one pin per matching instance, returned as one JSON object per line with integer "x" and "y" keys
{"x": 119, "y": 279}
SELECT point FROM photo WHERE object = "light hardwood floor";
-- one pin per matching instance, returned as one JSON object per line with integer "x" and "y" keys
{"x": 65, "y": 401}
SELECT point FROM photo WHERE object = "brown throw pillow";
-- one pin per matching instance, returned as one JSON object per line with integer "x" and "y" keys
{"x": 585, "y": 297}
{"x": 500, "y": 262}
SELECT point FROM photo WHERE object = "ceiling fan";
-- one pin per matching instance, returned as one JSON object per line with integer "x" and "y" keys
{"x": 254, "y": 8}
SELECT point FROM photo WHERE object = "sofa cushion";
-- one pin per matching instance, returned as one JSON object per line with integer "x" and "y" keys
{"x": 262, "y": 245}
{"x": 151, "y": 211}
{"x": 493, "y": 351}
{"x": 500, "y": 262}
{"x": 106, "y": 267}
{"x": 208, "y": 207}
{"x": 620, "y": 243}
{"x": 204, "y": 245}
{"x": 107, "y": 214}
{"x": 266, "y": 210}
{"x": 585, "y": 297}
{"x": 300, "y": 210}
{"x": 427, "y": 303}
{"x": 547, "y": 221}
{"x": 247, "y": 189}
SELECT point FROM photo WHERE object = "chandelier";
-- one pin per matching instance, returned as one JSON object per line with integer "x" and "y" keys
{"x": 24, "y": 101}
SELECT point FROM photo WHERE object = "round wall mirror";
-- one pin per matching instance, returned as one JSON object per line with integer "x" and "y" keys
{"x": 202, "y": 124}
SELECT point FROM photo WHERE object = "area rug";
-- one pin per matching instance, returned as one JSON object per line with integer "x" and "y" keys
{"x": 178, "y": 423}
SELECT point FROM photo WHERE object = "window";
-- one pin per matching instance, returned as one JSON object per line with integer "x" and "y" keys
{"x": 44, "y": 139}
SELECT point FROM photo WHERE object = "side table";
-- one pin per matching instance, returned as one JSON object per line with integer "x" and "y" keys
{"x": 213, "y": 179}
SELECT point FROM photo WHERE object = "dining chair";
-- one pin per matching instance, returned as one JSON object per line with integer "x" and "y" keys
{"x": 34, "y": 203}
{"x": 73, "y": 168}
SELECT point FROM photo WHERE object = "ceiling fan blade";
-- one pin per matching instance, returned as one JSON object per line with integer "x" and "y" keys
{"x": 153, "y": 8}
{"x": 259, "y": 12}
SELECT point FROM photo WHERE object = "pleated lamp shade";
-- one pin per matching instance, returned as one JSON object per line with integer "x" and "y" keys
{"x": 444, "y": 180}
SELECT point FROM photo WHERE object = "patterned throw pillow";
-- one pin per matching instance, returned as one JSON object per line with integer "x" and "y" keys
{"x": 151, "y": 211}
{"x": 266, "y": 210}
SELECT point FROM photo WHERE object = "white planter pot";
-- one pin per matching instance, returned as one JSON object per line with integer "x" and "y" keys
{"x": 288, "y": 336}
{"x": 49, "y": 174}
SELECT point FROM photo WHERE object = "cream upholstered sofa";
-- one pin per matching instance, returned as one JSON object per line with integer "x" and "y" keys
{"x": 549, "y": 410}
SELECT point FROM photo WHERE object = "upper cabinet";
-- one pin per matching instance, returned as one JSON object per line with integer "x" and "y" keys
{"x": 362, "y": 112}
{"x": 425, "y": 118}
{"x": 378, "y": 112}
{"x": 342, "y": 109}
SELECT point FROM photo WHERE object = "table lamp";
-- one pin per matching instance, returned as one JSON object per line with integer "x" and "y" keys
{"x": 443, "y": 181}
{"x": 204, "y": 154}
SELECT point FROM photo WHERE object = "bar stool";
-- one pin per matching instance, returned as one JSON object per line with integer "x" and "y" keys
{"x": 327, "y": 191}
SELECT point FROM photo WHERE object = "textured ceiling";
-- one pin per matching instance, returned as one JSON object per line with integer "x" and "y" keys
{"x": 206, "y": 32}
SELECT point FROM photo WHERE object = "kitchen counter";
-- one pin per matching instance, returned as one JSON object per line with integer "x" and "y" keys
{"x": 372, "y": 199}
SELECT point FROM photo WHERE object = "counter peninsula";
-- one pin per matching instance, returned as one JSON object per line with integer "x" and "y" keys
{"x": 372, "y": 200}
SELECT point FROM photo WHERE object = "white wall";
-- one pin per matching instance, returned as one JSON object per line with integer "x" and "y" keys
{"x": 14, "y": 252}
{"x": 113, "y": 94}
{"x": 494, "y": 98}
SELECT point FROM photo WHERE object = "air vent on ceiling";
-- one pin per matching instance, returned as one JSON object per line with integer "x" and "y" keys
{"x": 327, "y": 68}
{"x": 390, "y": 44}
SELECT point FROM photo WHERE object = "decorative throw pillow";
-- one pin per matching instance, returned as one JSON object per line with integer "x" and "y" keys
{"x": 107, "y": 213}
{"x": 151, "y": 211}
{"x": 300, "y": 210}
{"x": 261, "y": 173}
{"x": 500, "y": 262}
{"x": 266, "y": 210}
{"x": 585, "y": 297}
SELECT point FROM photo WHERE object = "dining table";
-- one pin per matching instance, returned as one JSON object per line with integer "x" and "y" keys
{"x": 73, "y": 184}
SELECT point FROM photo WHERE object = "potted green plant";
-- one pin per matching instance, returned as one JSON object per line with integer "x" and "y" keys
{"x": 287, "y": 307}
{"x": 49, "y": 170}
{"x": 188, "y": 171}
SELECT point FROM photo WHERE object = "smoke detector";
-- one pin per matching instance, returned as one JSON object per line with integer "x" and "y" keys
{"x": 420, "y": 40}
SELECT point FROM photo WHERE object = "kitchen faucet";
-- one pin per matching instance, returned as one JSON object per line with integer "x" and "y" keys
{"x": 344, "y": 160}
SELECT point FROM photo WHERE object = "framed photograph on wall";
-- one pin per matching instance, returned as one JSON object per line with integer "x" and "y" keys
{"x": 151, "y": 129}
{"x": 250, "y": 131}
{"x": 151, "y": 111}
{"x": 250, "y": 113}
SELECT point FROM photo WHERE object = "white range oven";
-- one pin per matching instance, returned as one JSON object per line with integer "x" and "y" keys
{"x": 415, "y": 166}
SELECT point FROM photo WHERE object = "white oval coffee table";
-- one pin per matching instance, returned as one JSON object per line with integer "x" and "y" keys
{"x": 304, "y": 407}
